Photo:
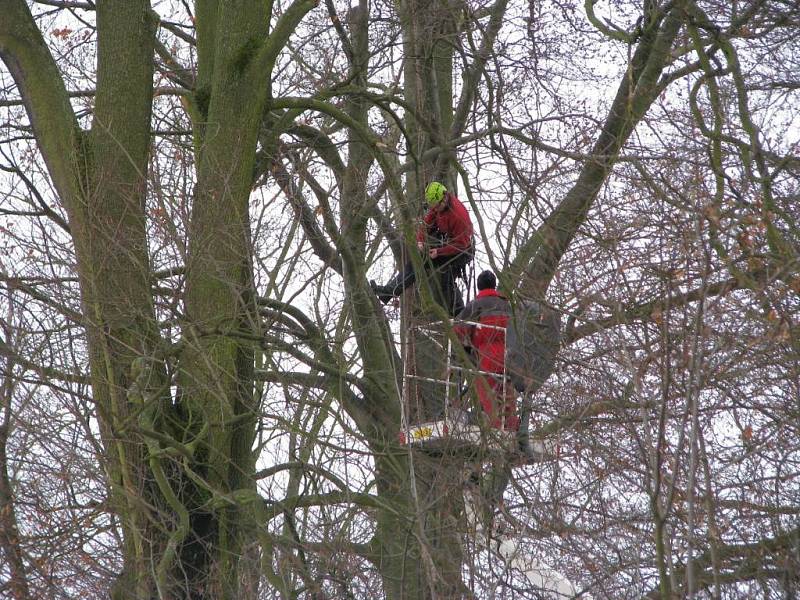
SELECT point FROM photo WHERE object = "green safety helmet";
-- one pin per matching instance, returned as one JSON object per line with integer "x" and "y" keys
{"x": 434, "y": 193}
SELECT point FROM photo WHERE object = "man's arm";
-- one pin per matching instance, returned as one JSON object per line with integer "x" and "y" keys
{"x": 462, "y": 330}
{"x": 467, "y": 313}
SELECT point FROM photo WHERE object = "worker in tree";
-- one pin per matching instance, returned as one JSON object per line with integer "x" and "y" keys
{"x": 485, "y": 332}
{"x": 445, "y": 238}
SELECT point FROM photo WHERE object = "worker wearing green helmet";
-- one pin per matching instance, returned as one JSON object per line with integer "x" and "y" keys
{"x": 434, "y": 193}
{"x": 445, "y": 238}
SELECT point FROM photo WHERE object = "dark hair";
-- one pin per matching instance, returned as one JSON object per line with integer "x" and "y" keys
{"x": 487, "y": 280}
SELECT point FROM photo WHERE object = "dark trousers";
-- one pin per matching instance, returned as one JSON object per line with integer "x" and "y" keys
{"x": 448, "y": 268}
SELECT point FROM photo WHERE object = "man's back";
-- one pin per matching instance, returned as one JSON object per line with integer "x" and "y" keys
{"x": 490, "y": 311}
{"x": 451, "y": 227}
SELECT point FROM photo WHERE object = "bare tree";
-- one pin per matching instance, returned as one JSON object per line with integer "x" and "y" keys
{"x": 201, "y": 393}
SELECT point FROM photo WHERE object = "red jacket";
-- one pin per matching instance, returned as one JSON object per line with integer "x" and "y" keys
{"x": 453, "y": 223}
{"x": 489, "y": 308}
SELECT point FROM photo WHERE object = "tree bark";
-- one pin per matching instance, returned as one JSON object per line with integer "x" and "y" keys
{"x": 222, "y": 324}
{"x": 100, "y": 176}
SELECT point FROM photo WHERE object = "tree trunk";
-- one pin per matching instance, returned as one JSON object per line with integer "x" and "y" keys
{"x": 424, "y": 545}
{"x": 181, "y": 536}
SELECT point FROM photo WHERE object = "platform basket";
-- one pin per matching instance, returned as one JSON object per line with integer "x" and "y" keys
{"x": 440, "y": 411}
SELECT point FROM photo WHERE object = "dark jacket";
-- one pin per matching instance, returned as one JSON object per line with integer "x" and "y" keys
{"x": 490, "y": 309}
{"x": 451, "y": 227}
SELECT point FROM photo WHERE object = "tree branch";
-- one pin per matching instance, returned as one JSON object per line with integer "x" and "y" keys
{"x": 537, "y": 260}
{"x": 742, "y": 562}
{"x": 25, "y": 53}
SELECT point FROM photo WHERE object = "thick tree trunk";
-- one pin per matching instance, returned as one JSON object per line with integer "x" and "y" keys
{"x": 222, "y": 325}
{"x": 181, "y": 536}
{"x": 101, "y": 179}
{"x": 421, "y": 549}
{"x": 118, "y": 305}
{"x": 418, "y": 549}
{"x": 221, "y": 322}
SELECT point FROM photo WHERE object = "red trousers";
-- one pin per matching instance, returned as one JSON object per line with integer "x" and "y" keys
{"x": 498, "y": 404}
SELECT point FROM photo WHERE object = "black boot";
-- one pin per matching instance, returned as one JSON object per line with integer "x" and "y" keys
{"x": 396, "y": 284}
{"x": 383, "y": 292}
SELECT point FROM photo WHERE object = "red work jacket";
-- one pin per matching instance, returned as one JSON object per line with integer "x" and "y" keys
{"x": 489, "y": 308}
{"x": 453, "y": 223}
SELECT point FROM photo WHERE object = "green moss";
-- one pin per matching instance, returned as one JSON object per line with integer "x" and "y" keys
{"x": 245, "y": 54}
{"x": 202, "y": 98}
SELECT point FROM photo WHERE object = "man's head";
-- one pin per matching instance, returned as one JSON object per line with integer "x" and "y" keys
{"x": 487, "y": 281}
{"x": 434, "y": 193}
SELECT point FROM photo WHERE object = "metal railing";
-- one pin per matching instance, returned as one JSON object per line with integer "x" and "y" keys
{"x": 446, "y": 331}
